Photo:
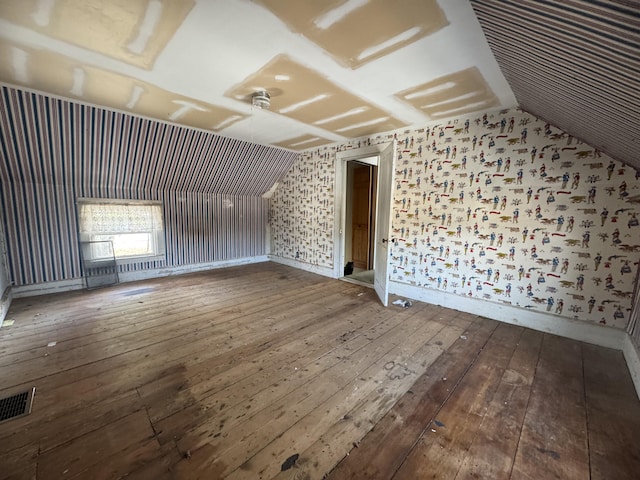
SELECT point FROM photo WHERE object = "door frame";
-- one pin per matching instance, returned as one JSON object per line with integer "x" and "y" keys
{"x": 369, "y": 155}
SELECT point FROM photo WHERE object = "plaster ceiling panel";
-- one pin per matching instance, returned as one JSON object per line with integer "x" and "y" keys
{"x": 455, "y": 94}
{"x": 136, "y": 96}
{"x": 303, "y": 142}
{"x": 305, "y": 95}
{"x": 131, "y": 31}
{"x": 36, "y": 69}
{"x": 355, "y": 32}
{"x": 54, "y": 73}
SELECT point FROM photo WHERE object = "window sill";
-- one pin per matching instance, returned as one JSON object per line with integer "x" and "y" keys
{"x": 139, "y": 259}
{"x": 123, "y": 260}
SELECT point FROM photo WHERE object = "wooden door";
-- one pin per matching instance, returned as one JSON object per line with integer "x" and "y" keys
{"x": 361, "y": 217}
{"x": 386, "y": 166}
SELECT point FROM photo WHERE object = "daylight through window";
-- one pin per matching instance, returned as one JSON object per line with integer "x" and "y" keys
{"x": 133, "y": 228}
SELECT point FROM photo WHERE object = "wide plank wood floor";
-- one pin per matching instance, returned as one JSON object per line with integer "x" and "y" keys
{"x": 267, "y": 372}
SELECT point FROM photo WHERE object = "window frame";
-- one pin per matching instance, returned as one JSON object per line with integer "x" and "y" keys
{"x": 157, "y": 236}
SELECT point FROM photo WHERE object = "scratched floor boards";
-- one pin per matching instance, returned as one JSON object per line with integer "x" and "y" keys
{"x": 267, "y": 372}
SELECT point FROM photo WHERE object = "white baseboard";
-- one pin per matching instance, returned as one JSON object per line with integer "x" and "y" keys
{"x": 46, "y": 288}
{"x": 182, "y": 269}
{"x": 555, "y": 324}
{"x": 319, "y": 269}
{"x": 5, "y": 303}
{"x": 632, "y": 357}
{"x": 78, "y": 283}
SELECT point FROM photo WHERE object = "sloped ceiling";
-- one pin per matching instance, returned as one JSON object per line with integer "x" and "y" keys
{"x": 335, "y": 69}
{"x": 573, "y": 63}
{"x": 47, "y": 140}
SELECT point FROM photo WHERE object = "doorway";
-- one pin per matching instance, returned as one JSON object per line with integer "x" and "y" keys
{"x": 383, "y": 156}
{"x": 360, "y": 221}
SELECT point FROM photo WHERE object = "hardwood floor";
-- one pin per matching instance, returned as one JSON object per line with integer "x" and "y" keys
{"x": 264, "y": 371}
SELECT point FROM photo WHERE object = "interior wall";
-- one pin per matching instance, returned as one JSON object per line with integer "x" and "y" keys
{"x": 634, "y": 322}
{"x": 502, "y": 207}
{"x": 5, "y": 291}
{"x": 54, "y": 152}
{"x": 302, "y": 210}
{"x": 4, "y": 279}
{"x": 199, "y": 228}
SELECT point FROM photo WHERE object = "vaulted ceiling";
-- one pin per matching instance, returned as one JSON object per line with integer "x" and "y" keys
{"x": 335, "y": 69}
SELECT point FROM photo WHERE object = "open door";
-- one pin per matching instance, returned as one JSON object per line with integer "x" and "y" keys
{"x": 386, "y": 166}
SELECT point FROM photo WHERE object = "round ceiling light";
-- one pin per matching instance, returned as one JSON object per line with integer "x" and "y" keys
{"x": 261, "y": 99}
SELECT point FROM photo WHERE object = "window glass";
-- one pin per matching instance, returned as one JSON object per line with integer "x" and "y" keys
{"x": 127, "y": 229}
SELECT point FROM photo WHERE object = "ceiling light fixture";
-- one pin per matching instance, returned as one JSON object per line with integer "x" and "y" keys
{"x": 261, "y": 99}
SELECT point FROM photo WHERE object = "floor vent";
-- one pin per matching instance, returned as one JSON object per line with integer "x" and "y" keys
{"x": 16, "y": 405}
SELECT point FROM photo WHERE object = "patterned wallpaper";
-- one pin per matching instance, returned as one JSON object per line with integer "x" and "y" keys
{"x": 503, "y": 207}
{"x": 302, "y": 210}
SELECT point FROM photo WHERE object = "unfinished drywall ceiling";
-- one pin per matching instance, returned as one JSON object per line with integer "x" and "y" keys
{"x": 131, "y": 31}
{"x": 445, "y": 96}
{"x": 355, "y": 32}
{"x": 62, "y": 76}
{"x": 305, "y": 95}
{"x": 335, "y": 69}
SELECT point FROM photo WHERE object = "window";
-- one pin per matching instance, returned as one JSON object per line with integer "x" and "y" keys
{"x": 134, "y": 228}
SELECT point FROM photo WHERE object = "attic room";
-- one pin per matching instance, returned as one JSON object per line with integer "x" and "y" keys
{"x": 307, "y": 240}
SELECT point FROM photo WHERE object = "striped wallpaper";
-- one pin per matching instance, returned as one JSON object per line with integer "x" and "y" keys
{"x": 4, "y": 279}
{"x": 46, "y": 140}
{"x": 573, "y": 63}
{"x": 53, "y": 151}
{"x": 199, "y": 228}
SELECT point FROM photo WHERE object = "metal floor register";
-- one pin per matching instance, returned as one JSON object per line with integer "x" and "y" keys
{"x": 16, "y": 405}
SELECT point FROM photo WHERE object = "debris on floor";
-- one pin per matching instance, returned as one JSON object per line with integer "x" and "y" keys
{"x": 52, "y": 344}
{"x": 8, "y": 323}
{"x": 289, "y": 462}
{"x": 403, "y": 303}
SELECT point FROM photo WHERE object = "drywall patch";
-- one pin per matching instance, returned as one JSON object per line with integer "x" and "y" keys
{"x": 314, "y": 100}
{"x": 355, "y": 32}
{"x": 458, "y": 93}
{"x": 303, "y": 142}
{"x": 62, "y": 76}
{"x": 133, "y": 32}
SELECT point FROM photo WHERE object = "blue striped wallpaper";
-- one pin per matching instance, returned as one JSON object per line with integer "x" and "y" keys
{"x": 53, "y": 151}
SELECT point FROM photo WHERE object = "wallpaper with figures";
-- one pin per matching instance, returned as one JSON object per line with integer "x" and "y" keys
{"x": 503, "y": 207}
{"x": 302, "y": 210}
